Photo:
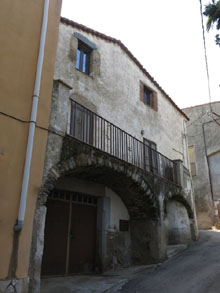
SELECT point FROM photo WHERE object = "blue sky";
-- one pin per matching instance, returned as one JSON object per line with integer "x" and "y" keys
{"x": 165, "y": 36}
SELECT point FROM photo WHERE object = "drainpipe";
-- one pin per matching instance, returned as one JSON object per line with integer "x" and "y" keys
{"x": 25, "y": 181}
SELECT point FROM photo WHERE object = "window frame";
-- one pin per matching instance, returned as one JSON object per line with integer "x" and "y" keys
{"x": 81, "y": 64}
{"x": 192, "y": 160}
{"x": 143, "y": 96}
{"x": 148, "y": 97}
{"x": 150, "y": 156}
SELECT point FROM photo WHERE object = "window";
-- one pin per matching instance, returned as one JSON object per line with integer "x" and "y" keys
{"x": 123, "y": 225}
{"x": 148, "y": 96}
{"x": 192, "y": 161}
{"x": 150, "y": 156}
{"x": 83, "y": 57}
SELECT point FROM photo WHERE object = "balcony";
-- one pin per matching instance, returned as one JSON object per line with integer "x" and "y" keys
{"x": 96, "y": 131}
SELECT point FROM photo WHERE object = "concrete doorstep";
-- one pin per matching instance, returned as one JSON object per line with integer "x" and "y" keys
{"x": 109, "y": 282}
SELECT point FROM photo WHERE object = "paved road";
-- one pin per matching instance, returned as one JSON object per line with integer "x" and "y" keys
{"x": 195, "y": 270}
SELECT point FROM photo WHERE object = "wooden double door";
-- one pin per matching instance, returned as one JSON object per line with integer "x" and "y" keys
{"x": 70, "y": 234}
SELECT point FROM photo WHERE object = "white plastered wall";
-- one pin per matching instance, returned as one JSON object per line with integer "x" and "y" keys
{"x": 115, "y": 92}
{"x": 118, "y": 209}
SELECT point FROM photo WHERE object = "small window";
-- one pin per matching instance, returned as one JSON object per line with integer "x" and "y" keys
{"x": 83, "y": 57}
{"x": 123, "y": 225}
{"x": 192, "y": 160}
{"x": 148, "y": 96}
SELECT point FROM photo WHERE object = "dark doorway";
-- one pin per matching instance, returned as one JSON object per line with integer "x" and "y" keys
{"x": 82, "y": 239}
{"x": 150, "y": 156}
{"x": 70, "y": 234}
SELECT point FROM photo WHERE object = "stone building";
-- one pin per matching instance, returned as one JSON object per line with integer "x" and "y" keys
{"x": 116, "y": 188}
{"x": 204, "y": 151}
{"x": 21, "y": 38}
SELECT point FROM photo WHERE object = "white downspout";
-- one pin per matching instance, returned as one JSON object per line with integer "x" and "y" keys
{"x": 26, "y": 174}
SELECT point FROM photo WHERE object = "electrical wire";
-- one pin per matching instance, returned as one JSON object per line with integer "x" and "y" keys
{"x": 207, "y": 67}
{"x": 15, "y": 118}
{"x": 205, "y": 53}
{"x": 29, "y": 121}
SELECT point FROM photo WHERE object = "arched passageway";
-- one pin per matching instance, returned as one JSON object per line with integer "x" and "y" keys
{"x": 95, "y": 215}
{"x": 141, "y": 194}
{"x": 177, "y": 223}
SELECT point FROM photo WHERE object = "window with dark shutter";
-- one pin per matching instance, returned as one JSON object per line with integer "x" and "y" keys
{"x": 148, "y": 96}
{"x": 124, "y": 225}
{"x": 192, "y": 160}
{"x": 150, "y": 156}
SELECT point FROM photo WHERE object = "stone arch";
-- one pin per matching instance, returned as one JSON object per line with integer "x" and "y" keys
{"x": 179, "y": 219}
{"x": 130, "y": 183}
{"x": 181, "y": 199}
{"x": 127, "y": 181}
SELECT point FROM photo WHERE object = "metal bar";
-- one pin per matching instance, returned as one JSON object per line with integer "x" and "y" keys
{"x": 137, "y": 156}
{"x": 104, "y": 136}
{"x": 95, "y": 132}
{"x": 123, "y": 145}
{"x": 121, "y": 157}
{"x": 68, "y": 236}
{"x": 84, "y": 128}
{"x": 74, "y": 121}
{"x": 110, "y": 142}
{"x": 117, "y": 142}
{"x": 114, "y": 142}
{"x": 100, "y": 134}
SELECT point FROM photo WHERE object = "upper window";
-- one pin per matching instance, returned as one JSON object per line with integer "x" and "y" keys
{"x": 192, "y": 160}
{"x": 148, "y": 96}
{"x": 83, "y": 57}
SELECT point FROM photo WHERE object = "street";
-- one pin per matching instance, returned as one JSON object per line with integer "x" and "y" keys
{"x": 195, "y": 270}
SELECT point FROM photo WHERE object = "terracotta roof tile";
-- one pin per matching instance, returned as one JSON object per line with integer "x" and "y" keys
{"x": 205, "y": 104}
{"x": 125, "y": 49}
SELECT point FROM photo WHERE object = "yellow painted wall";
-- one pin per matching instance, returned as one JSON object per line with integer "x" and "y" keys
{"x": 20, "y": 27}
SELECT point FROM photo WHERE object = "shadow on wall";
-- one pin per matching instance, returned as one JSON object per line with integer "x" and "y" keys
{"x": 177, "y": 223}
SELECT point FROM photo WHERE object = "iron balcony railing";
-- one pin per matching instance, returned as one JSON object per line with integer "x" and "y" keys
{"x": 96, "y": 131}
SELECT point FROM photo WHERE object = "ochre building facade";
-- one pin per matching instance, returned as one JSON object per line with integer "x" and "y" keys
{"x": 20, "y": 32}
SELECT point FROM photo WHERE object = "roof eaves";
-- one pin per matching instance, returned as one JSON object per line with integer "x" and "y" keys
{"x": 205, "y": 104}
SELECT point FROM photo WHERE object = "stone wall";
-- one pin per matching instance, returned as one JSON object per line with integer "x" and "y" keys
{"x": 178, "y": 224}
{"x": 204, "y": 135}
{"x": 114, "y": 93}
{"x": 143, "y": 194}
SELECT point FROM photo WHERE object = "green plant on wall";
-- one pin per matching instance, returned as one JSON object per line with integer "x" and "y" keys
{"x": 212, "y": 11}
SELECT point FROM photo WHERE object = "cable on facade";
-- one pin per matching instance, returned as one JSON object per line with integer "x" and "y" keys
{"x": 29, "y": 121}
{"x": 15, "y": 118}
